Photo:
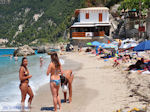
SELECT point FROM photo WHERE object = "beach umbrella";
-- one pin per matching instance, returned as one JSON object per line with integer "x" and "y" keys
{"x": 142, "y": 46}
{"x": 132, "y": 41}
{"x": 115, "y": 43}
{"x": 128, "y": 45}
{"x": 102, "y": 44}
{"x": 131, "y": 45}
{"x": 110, "y": 46}
{"x": 96, "y": 43}
{"x": 89, "y": 43}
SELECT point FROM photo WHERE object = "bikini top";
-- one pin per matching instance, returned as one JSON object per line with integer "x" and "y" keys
{"x": 25, "y": 74}
{"x": 57, "y": 72}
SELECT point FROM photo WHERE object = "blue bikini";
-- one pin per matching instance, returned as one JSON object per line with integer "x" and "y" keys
{"x": 56, "y": 81}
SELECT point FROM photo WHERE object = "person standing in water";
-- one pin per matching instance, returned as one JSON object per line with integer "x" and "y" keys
{"x": 16, "y": 58}
{"x": 24, "y": 82}
{"x": 41, "y": 61}
{"x": 55, "y": 69}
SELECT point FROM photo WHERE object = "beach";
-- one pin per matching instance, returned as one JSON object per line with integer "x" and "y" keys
{"x": 97, "y": 87}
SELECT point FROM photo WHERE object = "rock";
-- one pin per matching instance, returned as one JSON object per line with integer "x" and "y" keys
{"x": 43, "y": 49}
{"x": 24, "y": 51}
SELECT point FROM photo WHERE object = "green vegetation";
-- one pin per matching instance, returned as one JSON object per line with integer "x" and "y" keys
{"x": 134, "y": 4}
{"x": 50, "y": 26}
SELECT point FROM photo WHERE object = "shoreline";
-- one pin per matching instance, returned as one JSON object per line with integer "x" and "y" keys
{"x": 97, "y": 87}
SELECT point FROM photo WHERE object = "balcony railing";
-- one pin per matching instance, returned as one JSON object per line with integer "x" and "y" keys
{"x": 83, "y": 34}
{"x": 78, "y": 34}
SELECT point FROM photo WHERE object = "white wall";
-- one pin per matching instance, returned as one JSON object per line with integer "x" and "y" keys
{"x": 94, "y": 17}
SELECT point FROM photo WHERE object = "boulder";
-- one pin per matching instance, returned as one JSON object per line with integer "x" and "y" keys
{"x": 43, "y": 49}
{"x": 24, "y": 51}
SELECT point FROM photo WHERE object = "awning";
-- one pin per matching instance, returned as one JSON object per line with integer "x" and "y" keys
{"x": 103, "y": 24}
{"x": 90, "y": 25}
{"x": 83, "y": 25}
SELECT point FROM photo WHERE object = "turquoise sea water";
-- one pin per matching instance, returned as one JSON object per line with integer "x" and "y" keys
{"x": 6, "y": 51}
{"x": 10, "y": 94}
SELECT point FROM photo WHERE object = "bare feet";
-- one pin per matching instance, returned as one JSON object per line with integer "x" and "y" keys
{"x": 70, "y": 99}
{"x": 29, "y": 105}
{"x": 65, "y": 100}
{"x": 60, "y": 110}
{"x": 22, "y": 106}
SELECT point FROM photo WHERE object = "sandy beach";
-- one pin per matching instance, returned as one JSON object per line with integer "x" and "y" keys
{"x": 97, "y": 87}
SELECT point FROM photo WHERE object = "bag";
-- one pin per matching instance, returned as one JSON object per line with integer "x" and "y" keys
{"x": 64, "y": 88}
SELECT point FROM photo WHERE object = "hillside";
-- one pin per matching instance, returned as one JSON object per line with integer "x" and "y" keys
{"x": 19, "y": 16}
{"x": 39, "y": 21}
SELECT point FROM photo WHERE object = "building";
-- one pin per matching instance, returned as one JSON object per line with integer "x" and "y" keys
{"x": 90, "y": 24}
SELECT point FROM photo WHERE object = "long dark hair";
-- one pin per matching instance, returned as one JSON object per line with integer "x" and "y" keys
{"x": 22, "y": 61}
{"x": 55, "y": 60}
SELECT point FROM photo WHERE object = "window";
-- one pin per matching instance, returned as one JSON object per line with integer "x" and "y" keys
{"x": 100, "y": 17}
{"x": 87, "y": 16}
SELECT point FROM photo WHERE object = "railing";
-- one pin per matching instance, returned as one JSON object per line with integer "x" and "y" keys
{"x": 82, "y": 34}
{"x": 78, "y": 34}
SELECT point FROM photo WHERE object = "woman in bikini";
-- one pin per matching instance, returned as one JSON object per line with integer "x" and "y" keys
{"x": 24, "y": 82}
{"x": 55, "y": 69}
{"x": 67, "y": 79}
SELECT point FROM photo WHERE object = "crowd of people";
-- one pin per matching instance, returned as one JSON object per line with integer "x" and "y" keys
{"x": 121, "y": 57}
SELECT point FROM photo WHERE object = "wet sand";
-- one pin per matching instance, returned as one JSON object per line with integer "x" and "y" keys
{"x": 97, "y": 87}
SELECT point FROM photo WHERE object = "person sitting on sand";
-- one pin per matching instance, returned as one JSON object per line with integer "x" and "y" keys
{"x": 66, "y": 80}
{"x": 88, "y": 50}
{"x": 24, "y": 82}
{"x": 138, "y": 65}
{"x": 55, "y": 69}
{"x": 146, "y": 67}
{"x": 128, "y": 57}
{"x": 116, "y": 62}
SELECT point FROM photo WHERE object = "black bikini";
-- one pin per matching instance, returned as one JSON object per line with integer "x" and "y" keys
{"x": 25, "y": 74}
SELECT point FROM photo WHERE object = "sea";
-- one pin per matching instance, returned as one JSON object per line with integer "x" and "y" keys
{"x": 10, "y": 94}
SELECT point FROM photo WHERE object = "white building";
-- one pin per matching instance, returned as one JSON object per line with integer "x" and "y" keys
{"x": 90, "y": 24}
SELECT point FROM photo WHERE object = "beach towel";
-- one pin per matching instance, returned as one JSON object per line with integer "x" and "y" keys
{"x": 146, "y": 72}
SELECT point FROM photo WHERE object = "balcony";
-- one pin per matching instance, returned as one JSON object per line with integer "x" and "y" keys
{"x": 87, "y": 35}
{"x": 78, "y": 34}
